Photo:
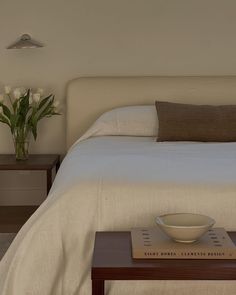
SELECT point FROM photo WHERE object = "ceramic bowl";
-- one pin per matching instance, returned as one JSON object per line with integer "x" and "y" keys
{"x": 185, "y": 227}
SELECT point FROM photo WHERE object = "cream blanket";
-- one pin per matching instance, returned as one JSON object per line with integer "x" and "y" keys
{"x": 115, "y": 183}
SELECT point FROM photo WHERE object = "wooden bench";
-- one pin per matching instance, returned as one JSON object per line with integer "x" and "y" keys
{"x": 112, "y": 260}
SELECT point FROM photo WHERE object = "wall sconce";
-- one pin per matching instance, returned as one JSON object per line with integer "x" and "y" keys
{"x": 24, "y": 42}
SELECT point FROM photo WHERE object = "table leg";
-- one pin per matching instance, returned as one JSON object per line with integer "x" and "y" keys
{"x": 49, "y": 180}
{"x": 97, "y": 287}
{"x": 57, "y": 165}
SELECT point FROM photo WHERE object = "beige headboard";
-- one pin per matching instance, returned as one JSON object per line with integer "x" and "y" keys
{"x": 88, "y": 98}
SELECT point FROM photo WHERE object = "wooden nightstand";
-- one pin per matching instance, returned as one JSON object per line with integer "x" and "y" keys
{"x": 13, "y": 217}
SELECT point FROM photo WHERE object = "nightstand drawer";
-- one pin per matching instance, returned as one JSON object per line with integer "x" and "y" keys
{"x": 13, "y": 217}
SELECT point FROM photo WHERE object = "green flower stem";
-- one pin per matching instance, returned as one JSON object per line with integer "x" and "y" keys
{"x": 21, "y": 150}
{"x": 21, "y": 143}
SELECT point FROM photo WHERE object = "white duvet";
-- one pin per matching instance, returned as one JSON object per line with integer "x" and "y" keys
{"x": 115, "y": 183}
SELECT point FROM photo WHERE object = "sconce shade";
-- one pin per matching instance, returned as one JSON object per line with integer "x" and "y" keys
{"x": 24, "y": 42}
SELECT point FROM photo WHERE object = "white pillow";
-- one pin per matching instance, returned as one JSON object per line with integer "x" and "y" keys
{"x": 130, "y": 121}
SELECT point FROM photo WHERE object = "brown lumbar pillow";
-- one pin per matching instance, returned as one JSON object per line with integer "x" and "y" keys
{"x": 185, "y": 122}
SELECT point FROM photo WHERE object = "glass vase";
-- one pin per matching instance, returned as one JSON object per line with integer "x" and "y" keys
{"x": 21, "y": 144}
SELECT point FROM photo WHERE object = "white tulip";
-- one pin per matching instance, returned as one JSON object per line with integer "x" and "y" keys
{"x": 40, "y": 91}
{"x": 7, "y": 89}
{"x": 36, "y": 97}
{"x": 30, "y": 98}
{"x": 56, "y": 103}
{"x": 17, "y": 93}
{"x": 23, "y": 90}
{"x": 1, "y": 97}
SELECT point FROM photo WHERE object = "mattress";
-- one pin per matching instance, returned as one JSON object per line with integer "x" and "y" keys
{"x": 116, "y": 183}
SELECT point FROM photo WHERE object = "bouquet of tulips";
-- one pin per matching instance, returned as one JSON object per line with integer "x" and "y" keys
{"x": 21, "y": 109}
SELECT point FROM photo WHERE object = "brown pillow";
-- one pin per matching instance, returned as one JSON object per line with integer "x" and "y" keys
{"x": 185, "y": 122}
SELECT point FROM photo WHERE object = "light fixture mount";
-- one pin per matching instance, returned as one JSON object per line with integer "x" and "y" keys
{"x": 25, "y": 37}
{"x": 25, "y": 42}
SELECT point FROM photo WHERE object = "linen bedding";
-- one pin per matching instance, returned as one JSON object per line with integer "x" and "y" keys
{"x": 115, "y": 183}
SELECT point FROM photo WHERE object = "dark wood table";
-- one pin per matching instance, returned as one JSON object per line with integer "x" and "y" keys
{"x": 112, "y": 260}
{"x": 35, "y": 162}
{"x": 13, "y": 217}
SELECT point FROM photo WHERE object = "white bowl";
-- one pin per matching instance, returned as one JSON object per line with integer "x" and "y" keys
{"x": 185, "y": 227}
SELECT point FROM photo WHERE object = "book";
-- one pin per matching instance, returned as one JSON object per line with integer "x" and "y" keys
{"x": 152, "y": 243}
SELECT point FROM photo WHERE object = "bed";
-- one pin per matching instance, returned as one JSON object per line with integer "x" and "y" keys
{"x": 110, "y": 182}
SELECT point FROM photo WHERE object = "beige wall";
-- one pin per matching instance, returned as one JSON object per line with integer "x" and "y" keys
{"x": 111, "y": 37}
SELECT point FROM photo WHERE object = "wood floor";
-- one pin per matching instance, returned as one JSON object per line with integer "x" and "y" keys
{"x": 13, "y": 217}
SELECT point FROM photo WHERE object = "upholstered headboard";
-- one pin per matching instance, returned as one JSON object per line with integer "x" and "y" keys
{"x": 88, "y": 98}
